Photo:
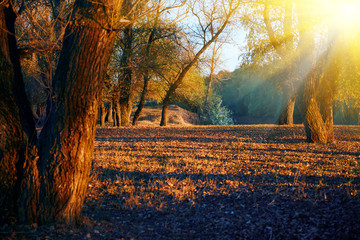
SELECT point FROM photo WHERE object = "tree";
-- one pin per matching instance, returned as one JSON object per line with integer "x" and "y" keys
{"x": 284, "y": 47}
{"x": 212, "y": 18}
{"x": 46, "y": 177}
{"x": 160, "y": 33}
{"x": 315, "y": 127}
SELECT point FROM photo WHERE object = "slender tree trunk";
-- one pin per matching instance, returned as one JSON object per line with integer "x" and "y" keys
{"x": 287, "y": 112}
{"x": 110, "y": 112}
{"x": 286, "y": 52}
{"x": 117, "y": 114}
{"x": 125, "y": 80}
{"x": 164, "y": 114}
{"x": 102, "y": 114}
{"x": 180, "y": 77}
{"x": 142, "y": 100}
{"x": 208, "y": 89}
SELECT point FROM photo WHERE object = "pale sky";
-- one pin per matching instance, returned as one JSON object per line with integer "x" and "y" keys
{"x": 231, "y": 52}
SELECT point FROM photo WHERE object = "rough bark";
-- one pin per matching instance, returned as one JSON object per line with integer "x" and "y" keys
{"x": 49, "y": 175}
{"x": 17, "y": 129}
{"x": 67, "y": 143}
{"x": 327, "y": 92}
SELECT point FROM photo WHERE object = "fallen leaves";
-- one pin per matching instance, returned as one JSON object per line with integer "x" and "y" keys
{"x": 233, "y": 182}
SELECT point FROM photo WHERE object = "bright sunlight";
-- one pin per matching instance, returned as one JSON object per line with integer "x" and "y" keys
{"x": 346, "y": 14}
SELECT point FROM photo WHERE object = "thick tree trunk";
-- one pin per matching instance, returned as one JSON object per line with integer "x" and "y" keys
{"x": 326, "y": 98}
{"x": 67, "y": 144}
{"x": 48, "y": 184}
{"x": 313, "y": 122}
{"x": 142, "y": 100}
{"x": 17, "y": 128}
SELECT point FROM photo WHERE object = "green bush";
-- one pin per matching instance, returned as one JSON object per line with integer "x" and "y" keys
{"x": 215, "y": 113}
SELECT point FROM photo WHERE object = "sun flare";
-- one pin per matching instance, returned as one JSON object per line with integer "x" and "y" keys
{"x": 347, "y": 14}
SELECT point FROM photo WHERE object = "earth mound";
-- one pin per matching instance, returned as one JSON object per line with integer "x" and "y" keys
{"x": 177, "y": 116}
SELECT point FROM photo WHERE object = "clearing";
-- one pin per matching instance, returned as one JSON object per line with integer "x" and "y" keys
{"x": 225, "y": 182}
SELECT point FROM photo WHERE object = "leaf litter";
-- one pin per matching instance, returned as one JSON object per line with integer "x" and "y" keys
{"x": 216, "y": 182}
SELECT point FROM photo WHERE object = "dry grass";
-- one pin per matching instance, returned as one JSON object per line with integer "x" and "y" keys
{"x": 226, "y": 182}
{"x": 268, "y": 167}
{"x": 145, "y": 166}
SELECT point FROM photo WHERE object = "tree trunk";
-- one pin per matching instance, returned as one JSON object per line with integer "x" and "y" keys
{"x": 142, "y": 100}
{"x": 164, "y": 114}
{"x": 117, "y": 114}
{"x": 125, "y": 80}
{"x": 110, "y": 112}
{"x": 17, "y": 128}
{"x": 287, "y": 112}
{"x": 67, "y": 144}
{"x": 125, "y": 112}
{"x": 313, "y": 122}
{"x": 102, "y": 114}
{"x": 327, "y": 92}
{"x": 48, "y": 184}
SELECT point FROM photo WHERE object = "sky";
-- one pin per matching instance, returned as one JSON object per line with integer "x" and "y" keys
{"x": 231, "y": 52}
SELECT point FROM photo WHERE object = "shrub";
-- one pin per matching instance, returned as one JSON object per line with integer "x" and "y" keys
{"x": 215, "y": 113}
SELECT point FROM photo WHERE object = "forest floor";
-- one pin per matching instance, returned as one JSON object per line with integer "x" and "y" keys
{"x": 217, "y": 182}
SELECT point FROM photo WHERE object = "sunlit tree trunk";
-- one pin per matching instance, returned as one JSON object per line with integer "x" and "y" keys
{"x": 47, "y": 179}
{"x": 327, "y": 90}
{"x": 314, "y": 125}
{"x": 67, "y": 144}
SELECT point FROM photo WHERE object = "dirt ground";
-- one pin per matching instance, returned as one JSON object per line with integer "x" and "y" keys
{"x": 226, "y": 182}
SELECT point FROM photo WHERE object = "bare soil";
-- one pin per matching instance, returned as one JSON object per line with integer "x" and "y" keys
{"x": 225, "y": 182}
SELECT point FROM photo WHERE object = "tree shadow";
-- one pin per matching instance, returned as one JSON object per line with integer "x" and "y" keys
{"x": 259, "y": 209}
